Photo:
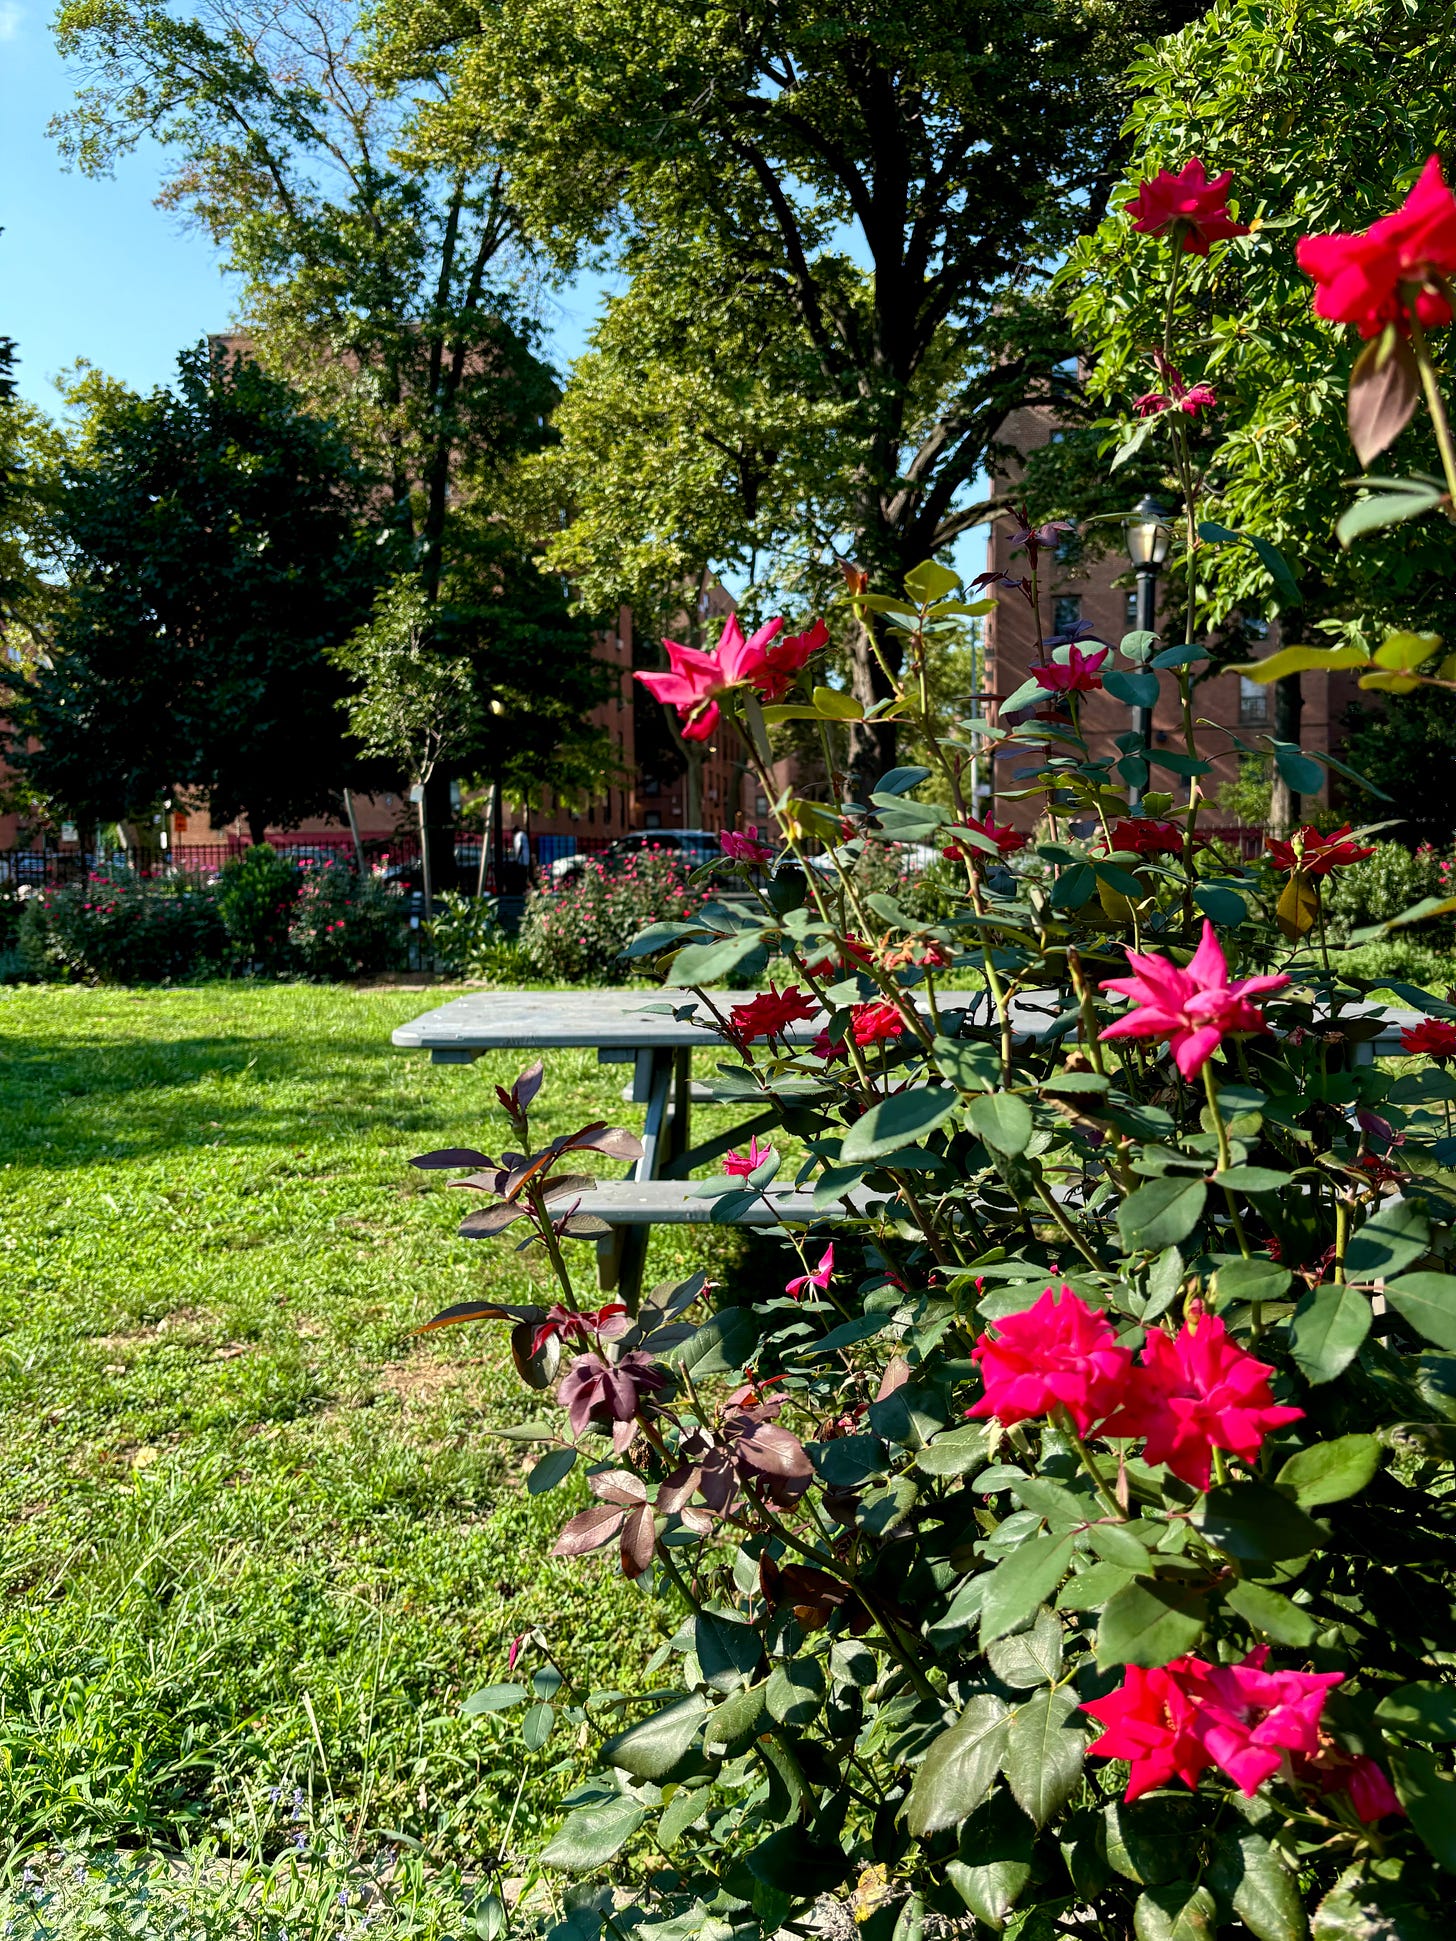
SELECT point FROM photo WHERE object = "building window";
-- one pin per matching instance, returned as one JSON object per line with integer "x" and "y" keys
{"x": 1067, "y": 613}
{"x": 652, "y": 819}
{"x": 1253, "y": 700}
{"x": 1068, "y": 548}
{"x": 760, "y": 805}
{"x": 1253, "y": 626}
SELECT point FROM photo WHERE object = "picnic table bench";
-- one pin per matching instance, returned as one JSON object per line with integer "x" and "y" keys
{"x": 637, "y": 1028}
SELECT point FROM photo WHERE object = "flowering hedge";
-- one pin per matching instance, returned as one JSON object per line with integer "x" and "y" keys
{"x": 575, "y": 931}
{"x": 119, "y": 928}
{"x": 1062, "y": 1543}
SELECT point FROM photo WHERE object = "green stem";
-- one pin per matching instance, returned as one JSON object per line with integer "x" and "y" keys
{"x": 1435, "y": 404}
{"x": 1225, "y": 1157}
{"x": 1084, "y": 1456}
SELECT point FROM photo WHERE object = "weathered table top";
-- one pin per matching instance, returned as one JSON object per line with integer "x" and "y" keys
{"x": 625, "y": 1021}
{"x": 617, "y": 1019}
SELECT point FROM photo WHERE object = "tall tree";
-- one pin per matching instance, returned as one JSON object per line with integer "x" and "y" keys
{"x": 216, "y": 555}
{"x": 1325, "y": 111}
{"x": 897, "y": 178}
{"x": 381, "y": 266}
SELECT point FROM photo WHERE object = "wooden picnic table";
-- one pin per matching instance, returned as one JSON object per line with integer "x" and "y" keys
{"x": 637, "y": 1028}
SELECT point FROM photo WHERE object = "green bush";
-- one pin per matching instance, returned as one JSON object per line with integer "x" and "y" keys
{"x": 347, "y": 925}
{"x": 119, "y": 928}
{"x": 255, "y": 896}
{"x": 1390, "y": 881}
{"x": 468, "y": 940}
{"x": 576, "y": 931}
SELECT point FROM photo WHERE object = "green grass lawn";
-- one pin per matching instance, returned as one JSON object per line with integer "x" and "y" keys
{"x": 258, "y": 1537}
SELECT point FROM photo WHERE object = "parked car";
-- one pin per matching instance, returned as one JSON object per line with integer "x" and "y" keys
{"x": 695, "y": 846}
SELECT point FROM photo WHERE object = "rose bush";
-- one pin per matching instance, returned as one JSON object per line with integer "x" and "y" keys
{"x": 1063, "y": 1542}
{"x": 575, "y": 931}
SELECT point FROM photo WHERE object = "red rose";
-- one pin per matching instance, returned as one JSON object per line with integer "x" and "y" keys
{"x": 1189, "y": 204}
{"x": 1359, "y": 278}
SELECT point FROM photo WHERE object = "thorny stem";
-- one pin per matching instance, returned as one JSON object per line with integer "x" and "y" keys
{"x": 1225, "y": 1156}
{"x": 547, "y": 1231}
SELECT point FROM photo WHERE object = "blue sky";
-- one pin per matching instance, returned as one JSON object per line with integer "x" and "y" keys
{"x": 90, "y": 269}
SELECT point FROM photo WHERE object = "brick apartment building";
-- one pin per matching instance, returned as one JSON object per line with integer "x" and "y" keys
{"x": 1100, "y": 594}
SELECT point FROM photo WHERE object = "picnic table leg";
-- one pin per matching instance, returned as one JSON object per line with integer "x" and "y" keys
{"x": 622, "y": 1254}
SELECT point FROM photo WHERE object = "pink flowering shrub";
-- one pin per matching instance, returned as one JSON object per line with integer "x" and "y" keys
{"x": 344, "y": 925}
{"x": 1057, "y": 1536}
{"x": 119, "y": 928}
{"x": 574, "y": 932}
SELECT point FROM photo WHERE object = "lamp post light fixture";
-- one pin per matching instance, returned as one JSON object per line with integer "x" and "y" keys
{"x": 1148, "y": 538}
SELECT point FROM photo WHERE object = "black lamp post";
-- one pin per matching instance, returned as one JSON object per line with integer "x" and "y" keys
{"x": 1148, "y": 539}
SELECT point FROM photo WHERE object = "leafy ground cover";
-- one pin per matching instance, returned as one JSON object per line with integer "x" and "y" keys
{"x": 259, "y": 1545}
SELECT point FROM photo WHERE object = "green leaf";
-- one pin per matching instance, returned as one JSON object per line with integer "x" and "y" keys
{"x": 1139, "y": 644}
{"x": 897, "y": 781}
{"x": 1115, "y": 1544}
{"x": 708, "y": 963}
{"x": 955, "y": 1454}
{"x": 1328, "y": 1472}
{"x": 1247, "y": 1874}
{"x": 1149, "y": 1624}
{"x": 1093, "y": 1588}
{"x": 1386, "y": 509}
{"x": 1428, "y": 1302}
{"x": 795, "y": 1691}
{"x": 1303, "y": 775}
{"x": 1420, "y": 1711}
{"x": 593, "y": 1834}
{"x": 1181, "y": 1911}
{"x": 493, "y": 1698}
{"x": 554, "y": 1467}
{"x": 1134, "y": 690}
{"x": 1274, "y": 564}
{"x": 727, "y": 1651}
{"x": 1301, "y": 660}
{"x": 536, "y": 1725}
{"x": 1003, "y": 1120}
{"x": 1253, "y": 1179}
{"x": 1328, "y": 1329}
{"x": 1145, "y": 1842}
{"x": 1252, "y": 1280}
{"x": 686, "y": 1805}
{"x": 1073, "y": 887}
{"x": 1022, "y": 1581}
{"x": 735, "y": 1724}
{"x": 993, "y": 1860}
{"x": 1162, "y": 1212}
{"x": 1278, "y": 1617}
{"x": 650, "y": 1749}
{"x": 1029, "y": 1658}
{"x": 835, "y": 705}
{"x": 1428, "y": 1793}
{"x": 1394, "y": 1240}
{"x": 1221, "y": 905}
{"x": 960, "y": 1767}
{"x": 930, "y": 581}
{"x": 897, "y": 1121}
{"x": 1044, "y": 1753}
{"x": 721, "y": 1346}
{"x": 1258, "y": 1525}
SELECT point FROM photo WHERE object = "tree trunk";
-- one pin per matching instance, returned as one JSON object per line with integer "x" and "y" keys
{"x": 437, "y": 832}
{"x": 1284, "y": 804}
{"x": 257, "y": 827}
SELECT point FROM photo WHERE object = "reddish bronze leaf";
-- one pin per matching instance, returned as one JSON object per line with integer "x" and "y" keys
{"x": 588, "y": 1530}
{"x": 471, "y": 1311}
{"x": 491, "y": 1219}
{"x": 1384, "y": 388}
{"x": 453, "y": 1156}
{"x": 639, "y": 1539}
